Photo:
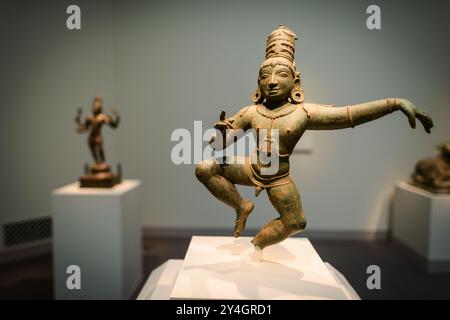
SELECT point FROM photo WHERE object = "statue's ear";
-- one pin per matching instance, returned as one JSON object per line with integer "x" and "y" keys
{"x": 257, "y": 96}
{"x": 297, "y": 95}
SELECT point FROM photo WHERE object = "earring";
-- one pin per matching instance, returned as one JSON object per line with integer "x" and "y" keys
{"x": 257, "y": 96}
{"x": 297, "y": 95}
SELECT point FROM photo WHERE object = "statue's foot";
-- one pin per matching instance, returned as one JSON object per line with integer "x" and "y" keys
{"x": 241, "y": 217}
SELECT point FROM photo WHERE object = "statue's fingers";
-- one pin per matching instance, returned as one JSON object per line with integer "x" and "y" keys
{"x": 412, "y": 120}
{"x": 426, "y": 126}
{"x": 428, "y": 118}
{"x": 426, "y": 121}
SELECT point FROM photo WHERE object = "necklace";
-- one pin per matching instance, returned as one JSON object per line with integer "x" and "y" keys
{"x": 273, "y": 116}
{"x": 267, "y": 113}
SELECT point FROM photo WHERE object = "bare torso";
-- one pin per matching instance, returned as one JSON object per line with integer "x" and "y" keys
{"x": 96, "y": 123}
{"x": 289, "y": 121}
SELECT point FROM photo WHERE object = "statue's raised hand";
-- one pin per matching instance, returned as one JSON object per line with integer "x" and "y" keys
{"x": 115, "y": 112}
{"x": 412, "y": 112}
{"x": 79, "y": 112}
{"x": 114, "y": 123}
{"x": 223, "y": 123}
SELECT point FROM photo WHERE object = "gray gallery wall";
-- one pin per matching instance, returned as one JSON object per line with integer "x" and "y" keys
{"x": 166, "y": 64}
{"x": 47, "y": 72}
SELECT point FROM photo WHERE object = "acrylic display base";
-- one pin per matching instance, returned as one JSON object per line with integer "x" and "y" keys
{"x": 421, "y": 223}
{"x": 225, "y": 268}
{"x": 98, "y": 230}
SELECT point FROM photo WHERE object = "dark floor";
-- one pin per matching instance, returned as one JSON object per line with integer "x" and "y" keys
{"x": 401, "y": 276}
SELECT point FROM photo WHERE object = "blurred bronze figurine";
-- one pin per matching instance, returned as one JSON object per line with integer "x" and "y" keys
{"x": 278, "y": 106}
{"x": 434, "y": 174}
{"x": 99, "y": 174}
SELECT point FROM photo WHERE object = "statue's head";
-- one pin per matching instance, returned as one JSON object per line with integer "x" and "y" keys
{"x": 97, "y": 104}
{"x": 278, "y": 79}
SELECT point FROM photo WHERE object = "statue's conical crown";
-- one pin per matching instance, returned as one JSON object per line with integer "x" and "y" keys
{"x": 281, "y": 43}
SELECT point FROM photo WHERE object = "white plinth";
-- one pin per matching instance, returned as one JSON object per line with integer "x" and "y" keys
{"x": 160, "y": 283}
{"x": 223, "y": 268}
{"x": 421, "y": 221}
{"x": 98, "y": 230}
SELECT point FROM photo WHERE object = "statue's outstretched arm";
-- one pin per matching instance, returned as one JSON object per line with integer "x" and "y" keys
{"x": 322, "y": 117}
{"x": 82, "y": 127}
{"x": 113, "y": 123}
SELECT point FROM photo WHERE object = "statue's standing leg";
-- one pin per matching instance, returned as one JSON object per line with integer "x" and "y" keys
{"x": 286, "y": 200}
{"x": 93, "y": 148}
{"x": 220, "y": 180}
{"x": 101, "y": 153}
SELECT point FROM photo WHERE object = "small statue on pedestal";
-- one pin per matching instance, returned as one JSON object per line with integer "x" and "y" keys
{"x": 434, "y": 174}
{"x": 279, "y": 109}
{"x": 99, "y": 174}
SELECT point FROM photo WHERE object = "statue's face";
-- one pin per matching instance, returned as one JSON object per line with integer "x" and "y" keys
{"x": 97, "y": 105}
{"x": 276, "y": 82}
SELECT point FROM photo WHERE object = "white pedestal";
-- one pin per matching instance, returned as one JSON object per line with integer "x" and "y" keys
{"x": 421, "y": 222}
{"x": 223, "y": 268}
{"x": 98, "y": 230}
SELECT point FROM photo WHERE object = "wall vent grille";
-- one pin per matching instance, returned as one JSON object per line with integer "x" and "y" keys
{"x": 27, "y": 231}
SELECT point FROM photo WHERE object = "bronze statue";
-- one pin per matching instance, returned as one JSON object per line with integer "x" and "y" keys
{"x": 278, "y": 104}
{"x": 434, "y": 174}
{"x": 99, "y": 174}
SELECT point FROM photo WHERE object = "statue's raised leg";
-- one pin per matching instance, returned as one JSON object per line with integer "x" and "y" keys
{"x": 286, "y": 200}
{"x": 220, "y": 180}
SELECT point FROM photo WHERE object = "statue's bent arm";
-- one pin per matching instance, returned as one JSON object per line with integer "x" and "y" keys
{"x": 113, "y": 123}
{"x": 83, "y": 127}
